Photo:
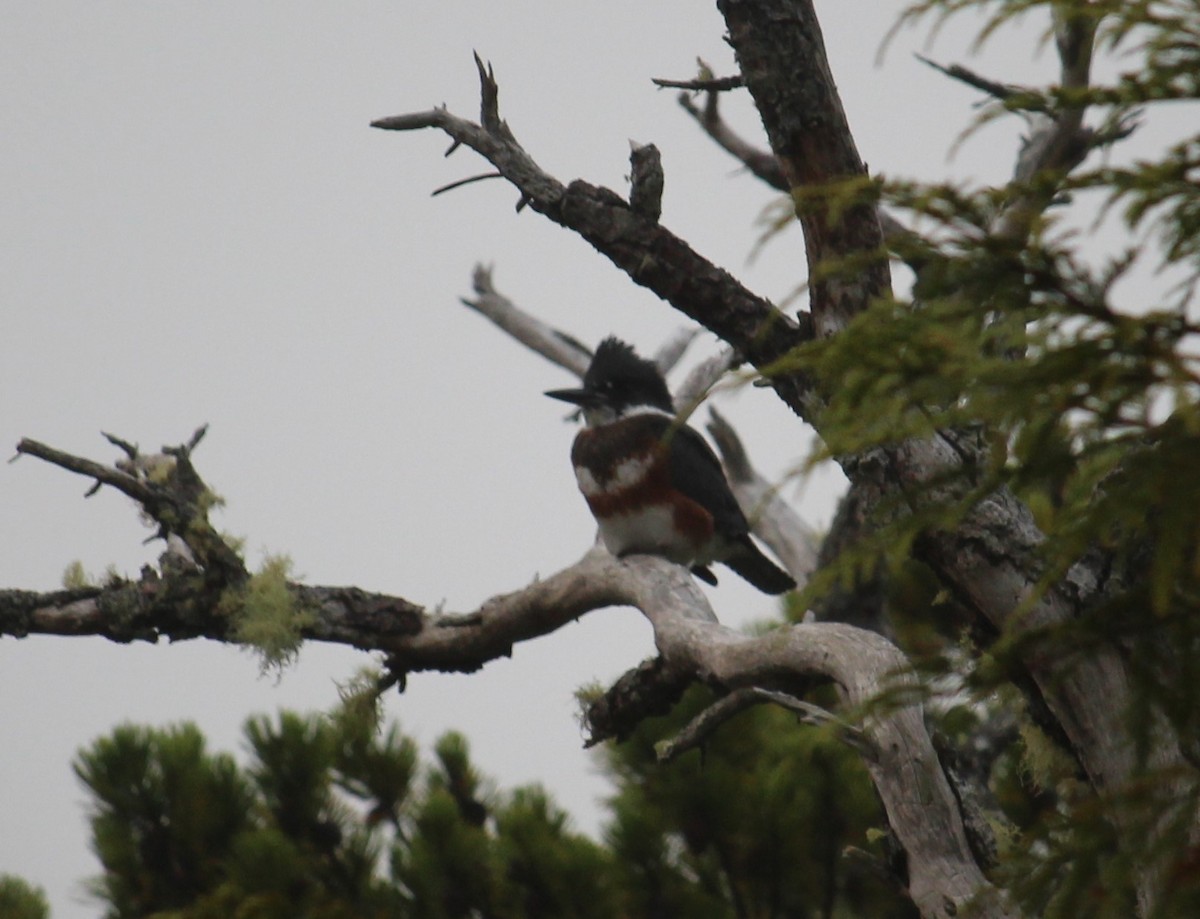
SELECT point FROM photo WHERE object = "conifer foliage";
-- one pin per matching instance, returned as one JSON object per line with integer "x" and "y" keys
{"x": 331, "y": 818}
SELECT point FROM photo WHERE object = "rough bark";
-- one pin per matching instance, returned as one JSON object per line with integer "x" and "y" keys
{"x": 648, "y": 252}
{"x": 990, "y": 560}
{"x": 781, "y": 54}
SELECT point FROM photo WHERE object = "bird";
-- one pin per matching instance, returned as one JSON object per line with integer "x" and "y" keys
{"x": 654, "y": 484}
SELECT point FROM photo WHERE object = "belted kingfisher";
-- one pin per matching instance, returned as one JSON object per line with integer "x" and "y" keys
{"x": 653, "y": 484}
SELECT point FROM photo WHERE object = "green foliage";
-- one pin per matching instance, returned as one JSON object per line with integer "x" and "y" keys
{"x": 550, "y": 871}
{"x": 19, "y": 900}
{"x": 1070, "y": 377}
{"x": 760, "y": 819}
{"x": 330, "y": 818}
{"x": 75, "y": 577}
{"x": 267, "y": 616}
{"x": 334, "y": 816}
{"x": 161, "y": 806}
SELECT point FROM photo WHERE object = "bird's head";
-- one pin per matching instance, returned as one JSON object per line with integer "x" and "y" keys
{"x": 618, "y": 383}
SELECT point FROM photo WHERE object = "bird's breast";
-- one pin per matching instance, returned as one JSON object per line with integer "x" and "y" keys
{"x": 626, "y": 481}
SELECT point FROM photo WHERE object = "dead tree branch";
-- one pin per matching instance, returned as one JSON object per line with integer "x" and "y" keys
{"x": 555, "y": 346}
{"x": 773, "y": 519}
{"x": 700, "y": 728}
{"x": 671, "y": 351}
{"x": 650, "y": 254}
{"x": 965, "y": 75}
{"x": 701, "y": 84}
{"x": 167, "y": 487}
{"x": 176, "y": 602}
{"x": 760, "y": 163}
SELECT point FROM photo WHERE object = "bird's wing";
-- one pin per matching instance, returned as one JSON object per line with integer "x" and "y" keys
{"x": 697, "y": 472}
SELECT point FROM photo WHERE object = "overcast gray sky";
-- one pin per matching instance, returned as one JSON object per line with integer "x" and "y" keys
{"x": 199, "y": 226}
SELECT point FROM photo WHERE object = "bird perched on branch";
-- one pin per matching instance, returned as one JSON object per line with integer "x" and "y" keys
{"x": 653, "y": 484}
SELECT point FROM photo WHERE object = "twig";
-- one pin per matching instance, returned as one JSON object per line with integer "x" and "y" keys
{"x": 168, "y": 489}
{"x": 670, "y": 351}
{"x": 650, "y": 254}
{"x": 134, "y": 487}
{"x": 761, "y": 163}
{"x": 702, "y": 378}
{"x": 772, "y": 519}
{"x": 645, "y": 180}
{"x": 993, "y": 88}
{"x": 1057, "y": 140}
{"x": 467, "y": 181}
{"x": 700, "y": 728}
{"x": 702, "y": 84}
{"x": 557, "y": 347}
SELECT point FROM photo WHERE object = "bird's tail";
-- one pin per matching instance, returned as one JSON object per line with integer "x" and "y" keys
{"x": 748, "y": 561}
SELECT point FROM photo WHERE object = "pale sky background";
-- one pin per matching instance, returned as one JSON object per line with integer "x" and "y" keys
{"x": 199, "y": 226}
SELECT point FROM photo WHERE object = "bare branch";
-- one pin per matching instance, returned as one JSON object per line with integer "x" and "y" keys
{"x": 651, "y": 255}
{"x": 919, "y": 803}
{"x": 192, "y": 444}
{"x": 557, "y": 347}
{"x": 702, "y": 378}
{"x": 773, "y": 519}
{"x": 180, "y": 602}
{"x": 168, "y": 489}
{"x": 921, "y": 807}
{"x": 129, "y": 449}
{"x": 700, "y": 728}
{"x": 1057, "y": 140}
{"x": 645, "y": 180}
{"x": 132, "y": 486}
{"x": 702, "y": 84}
{"x": 671, "y": 350}
{"x": 761, "y": 163}
{"x": 470, "y": 180}
{"x": 993, "y": 88}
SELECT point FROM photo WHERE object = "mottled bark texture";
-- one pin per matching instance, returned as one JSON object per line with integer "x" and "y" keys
{"x": 990, "y": 561}
{"x": 781, "y": 53}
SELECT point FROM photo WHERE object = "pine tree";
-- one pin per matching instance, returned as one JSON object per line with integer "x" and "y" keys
{"x": 19, "y": 900}
{"x": 333, "y": 818}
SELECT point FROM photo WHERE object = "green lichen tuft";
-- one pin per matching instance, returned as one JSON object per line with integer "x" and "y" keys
{"x": 358, "y": 699}
{"x": 75, "y": 577}
{"x": 267, "y": 616}
{"x": 1044, "y": 763}
{"x": 209, "y": 500}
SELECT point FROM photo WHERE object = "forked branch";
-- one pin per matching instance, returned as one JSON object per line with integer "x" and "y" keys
{"x": 632, "y": 239}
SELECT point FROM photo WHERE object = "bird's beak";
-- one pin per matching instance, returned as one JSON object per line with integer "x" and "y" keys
{"x": 574, "y": 396}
